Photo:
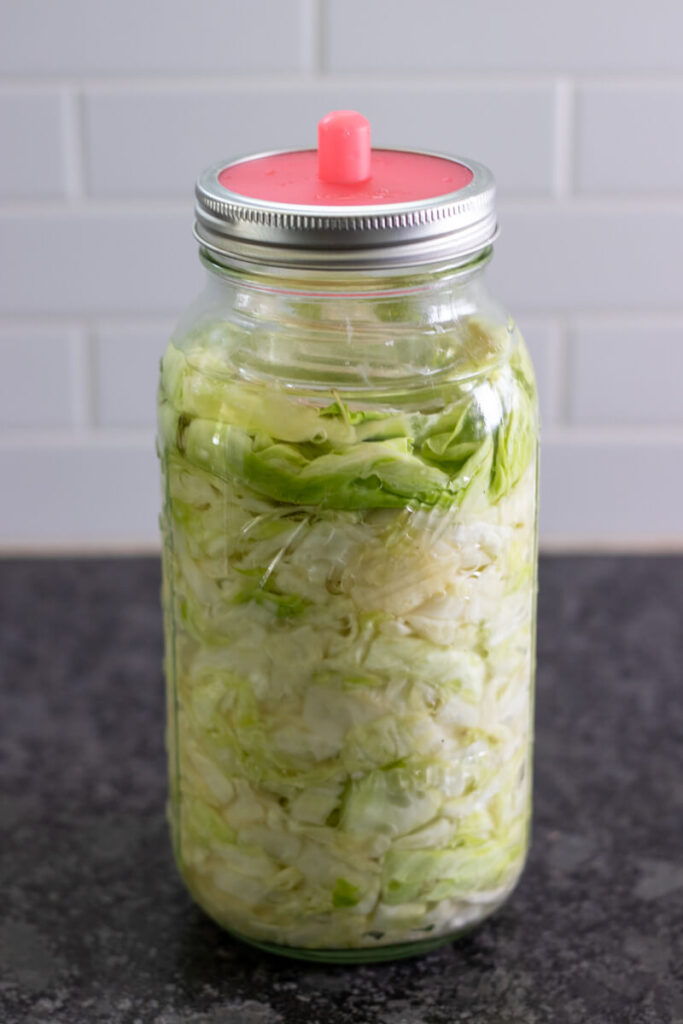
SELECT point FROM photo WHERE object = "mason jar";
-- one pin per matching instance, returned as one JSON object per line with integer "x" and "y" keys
{"x": 348, "y": 440}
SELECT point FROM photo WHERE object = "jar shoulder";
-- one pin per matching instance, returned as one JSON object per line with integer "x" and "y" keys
{"x": 368, "y": 347}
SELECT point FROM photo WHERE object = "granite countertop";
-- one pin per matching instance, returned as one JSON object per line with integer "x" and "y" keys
{"x": 96, "y": 926}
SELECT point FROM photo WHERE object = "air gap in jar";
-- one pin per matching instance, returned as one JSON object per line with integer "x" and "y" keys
{"x": 348, "y": 439}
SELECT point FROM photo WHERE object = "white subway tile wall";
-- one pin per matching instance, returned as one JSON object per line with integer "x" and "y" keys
{"x": 122, "y": 399}
{"x": 574, "y": 256}
{"x": 544, "y": 340}
{"x": 150, "y": 37}
{"x": 36, "y": 382}
{"x": 627, "y": 372}
{"x": 530, "y": 35}
{"x": 107, "y": 113}
{"x": 630, "y": 139}
{"x": 248, "y": 119}
{"x": 32, "y": 163}
{"x": 80, "y": 493}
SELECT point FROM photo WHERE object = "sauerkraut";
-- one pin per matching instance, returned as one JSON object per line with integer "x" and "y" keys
{"x": 349, "y": 595}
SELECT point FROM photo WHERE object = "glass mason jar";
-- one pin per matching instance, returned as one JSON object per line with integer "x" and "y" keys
{"x": 349, "y": 456}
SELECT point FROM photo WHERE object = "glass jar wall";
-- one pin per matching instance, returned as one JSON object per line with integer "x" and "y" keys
{"x": 349, "y": 555}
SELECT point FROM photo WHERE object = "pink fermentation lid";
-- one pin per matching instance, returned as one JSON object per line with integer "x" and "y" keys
{"x": 346, "y": 204}
{"x": 345, "y": 171}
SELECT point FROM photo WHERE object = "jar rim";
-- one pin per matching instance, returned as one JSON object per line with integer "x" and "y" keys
{"x": 445, "y": 227}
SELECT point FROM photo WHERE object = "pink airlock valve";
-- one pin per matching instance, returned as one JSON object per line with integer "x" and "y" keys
{"x": 345, "y": 171}
{"x": 344, "y": 154}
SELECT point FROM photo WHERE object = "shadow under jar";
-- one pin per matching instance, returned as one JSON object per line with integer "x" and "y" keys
{"x": 348, "y": 438}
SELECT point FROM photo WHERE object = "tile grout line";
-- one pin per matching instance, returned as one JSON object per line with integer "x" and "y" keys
{"x": 72, "y": 135}
{"x": 70, "y": 437}
{"x": 612, "y": 317}
{"x": 310, "y": 39}
{"x": 81, "y": 378}
{"x": 321, "y": 36}
{"x": 91, "y": 377}
{"x": 130, "y": 80}
{"x": 556, "y": 370}
{"x": 551, "y": 323}
{"x": 563, "y": 375}
{"x": 564, "y": 139}
{"x": 125, "y": 320}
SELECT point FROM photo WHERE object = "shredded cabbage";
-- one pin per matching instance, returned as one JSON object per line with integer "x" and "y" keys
{"x": 349, "y": 599}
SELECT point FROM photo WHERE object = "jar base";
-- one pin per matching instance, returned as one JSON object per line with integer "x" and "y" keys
{"x": 356, "y": 955}
{"x": 368, "y": 955}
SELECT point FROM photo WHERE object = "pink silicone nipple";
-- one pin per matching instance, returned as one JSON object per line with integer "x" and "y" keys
{"x": 344, "y": 153}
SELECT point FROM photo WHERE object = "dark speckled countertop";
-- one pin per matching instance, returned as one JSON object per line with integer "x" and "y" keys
{"x": 96, "y": 926}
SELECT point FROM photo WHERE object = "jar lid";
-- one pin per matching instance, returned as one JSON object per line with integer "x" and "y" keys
{"x": 345, "y": 205}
